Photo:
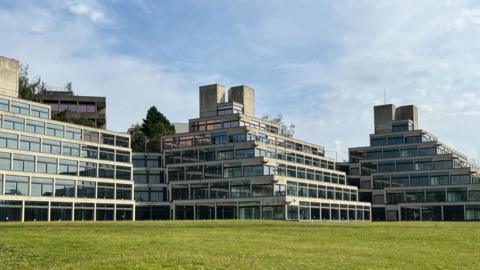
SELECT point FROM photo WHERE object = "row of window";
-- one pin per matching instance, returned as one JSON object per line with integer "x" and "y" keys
{"x": 399, "y": 139}
{"x": 323, "y": 192}
{"x": 145, "y": 194}
{"x": 223, "y": 138}
{"x": 357, "y": 156}
{"x": 368, "y": 168}
{"x": 27, "y": 143}
{"x": 214, "y": 171}
{"x": 222, "y": 190}
{"x": 147, "y": 161}
{"x": 148, "y": 177}
{"x": 437, "y": 179}
{"x": 23, "y": 108}
{"x": 427, "y": 195}
{"x": 317, "y": 211}
{"x": 41, "y": 186}
{"x": 39, "y": 164}
{"x": 61, "y": 131}
{"x": 228, "y": 153}
{"x": 63, "y": 211}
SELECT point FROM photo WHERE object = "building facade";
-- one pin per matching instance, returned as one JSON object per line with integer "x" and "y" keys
{"x": 408, "y": 174}
{"x": 88, "y": 107}
{"x": 232, "y": 165}
{"x": 52, "y": 170}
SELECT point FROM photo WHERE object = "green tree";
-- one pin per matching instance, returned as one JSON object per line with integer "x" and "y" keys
{"x": 156, "y": 124}
{"x": 65, "y": 116}
{"x": 33, "y": 90}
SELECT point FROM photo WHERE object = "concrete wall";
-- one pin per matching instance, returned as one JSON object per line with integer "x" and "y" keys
{"x": 384, "y": 115}
{"x": 244, "y": 95}
{"x": 210, "y": 96}
{"x": 9, "y": 72}
{"x": 409, "y": 112}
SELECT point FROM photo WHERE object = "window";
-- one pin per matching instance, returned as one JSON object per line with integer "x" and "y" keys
{"x": 8, "y": 140}
{"x": 42, "y": 186}
{"x": 378, "y": 141}
{"x": 85, "y": 189}
{"x": 395, "y": 140}
{"x": 122, "y": 156}
{"x": 106, "y": 191}
{"x": 106, "y": 171}
{"x": 89, "y": 151}
{"x": 123, "y": 173}
{"x": 55, "y": 130}
{"x": 386, "y": 166}
{"x": 381, "y": 182}
{"x": 15, "y": 123}
{"x": 46, "y": 165}
{"x": 73, "y": 133}
{"x": 124, "y": 192}
{"x": 415, "y": 195}
{"x": 4, "y": 105}
{"x": 457, "y": 195}
{"x": 423, "y": 165}
{"x": 122, "y": 141}
{"x": 39, "y": 112}
{"x": 71, "y": 149}
{"x": 30, "y": 143}
{"x": 108, "y": 139}
{"x": 413, "y": 139}
{"x": 404, "y": 166}
{"x": 262, "y": 190}
{"x": 16, "y": 185}
{"x": 35, "y": 127}
{"x": 88, "y": 169}
{"x": 219, "y": 190}
{"x": 68, "y": 167}
{"x": 20, "y": 108}
{"x": 213, "y": 171}
{"x": 374, "y": 154}
{"x": 437, "y": 180}
{"x": 90, "y": 136}
{"x": 64, "y": 188}
{"x": 279, "y": 190}
{"x": 107, "y": 154}
{"x": 23, "y": 163}
{"x": 240, "y": 189}
{"x": 5, "y": 161}
{"x": 435, "y": 195}
{"x": 443, "y": 164}
{"x": 400, "y": 181}
{"x": 51, "y": 147}
{"x": 419, "y": 180}
{"x": 460, "y": 179}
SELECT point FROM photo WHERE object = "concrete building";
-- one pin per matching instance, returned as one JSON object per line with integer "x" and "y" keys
{"x": 408, "y": 174}
{"x": 52, "y": 170}
{"x": 89, "y": 107}
{"x": 232, "y": 165}
{"x": 9, "y": 72}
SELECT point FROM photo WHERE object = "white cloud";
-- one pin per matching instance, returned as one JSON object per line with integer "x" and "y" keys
{"x": 92, "y": 11}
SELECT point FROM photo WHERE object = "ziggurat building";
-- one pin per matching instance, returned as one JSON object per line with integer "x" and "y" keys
{"x": 408, "y": 174}
{"x": 51, "y": 170}
{"x": 232, "y": 165}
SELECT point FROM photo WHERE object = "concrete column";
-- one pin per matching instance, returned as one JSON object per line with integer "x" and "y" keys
{"x": 94, "y": 212}
{"x": 73, "y": 212}
{"x": 115, "y": 212}
{"x": 23, "y": 211}
{"x": 194, "y": 212}
{"x": 238, "y": 210}
{"x": 49, "y": 216}
{"x": 133, "y": 212}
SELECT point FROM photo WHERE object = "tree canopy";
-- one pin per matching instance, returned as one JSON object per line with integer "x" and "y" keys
{"x": 154, "y": 125}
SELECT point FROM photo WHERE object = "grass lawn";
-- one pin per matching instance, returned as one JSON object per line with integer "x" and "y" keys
{"x": 239, "y": 245}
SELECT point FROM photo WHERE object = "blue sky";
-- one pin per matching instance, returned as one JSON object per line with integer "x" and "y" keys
{"x": 322, "y": 64}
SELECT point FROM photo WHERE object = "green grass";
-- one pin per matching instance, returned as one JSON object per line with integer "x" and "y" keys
{"x": 239, "y": 245}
